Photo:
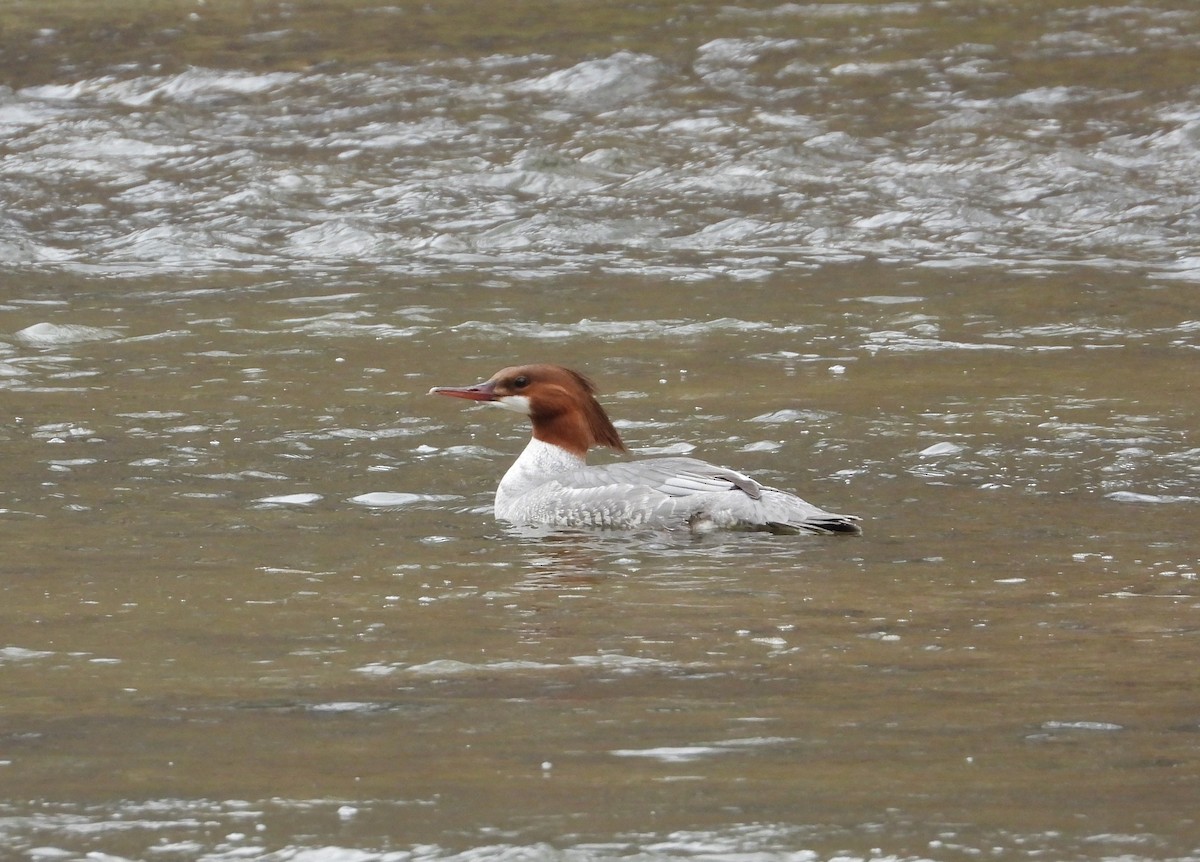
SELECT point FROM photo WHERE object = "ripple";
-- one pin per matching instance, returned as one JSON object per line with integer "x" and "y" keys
{"x": 397, "y": 500}
{"x": 60, "y": 334}
{"x": 369, "y": 165}
{"x": 300, "y": 499}
{"x": 1153, "y": 499}
{"x": 13, "y": 653}
{"x": 688, "y": 753}
{"x": 614, "y": 663}
{"x": 602, "y": 82}
{"x": 233, "y": 829}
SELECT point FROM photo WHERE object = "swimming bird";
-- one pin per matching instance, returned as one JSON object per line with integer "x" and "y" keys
{"x": 551, "y": 484}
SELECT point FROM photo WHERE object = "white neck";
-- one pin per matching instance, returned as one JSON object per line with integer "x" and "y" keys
{"x": 537, "y": 464}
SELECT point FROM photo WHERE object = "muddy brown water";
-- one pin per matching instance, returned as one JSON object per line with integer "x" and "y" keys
{"x": 255, "y": 605}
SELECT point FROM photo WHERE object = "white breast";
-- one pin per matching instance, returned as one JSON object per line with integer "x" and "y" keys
{"x": 539, "y": 463}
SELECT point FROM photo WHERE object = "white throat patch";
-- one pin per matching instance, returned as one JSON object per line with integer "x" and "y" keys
{"x": 515, "y": 403}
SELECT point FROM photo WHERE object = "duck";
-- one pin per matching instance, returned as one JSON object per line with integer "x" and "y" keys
{"x": 551, "y": 484}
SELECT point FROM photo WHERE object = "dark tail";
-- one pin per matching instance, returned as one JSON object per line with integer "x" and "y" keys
{"x": 846, "y": 525}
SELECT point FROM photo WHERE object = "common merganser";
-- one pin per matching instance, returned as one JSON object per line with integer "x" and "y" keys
{"x": 550, "y": 483}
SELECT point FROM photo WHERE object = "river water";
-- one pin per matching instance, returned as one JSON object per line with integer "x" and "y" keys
{"x": 931, "y": 263}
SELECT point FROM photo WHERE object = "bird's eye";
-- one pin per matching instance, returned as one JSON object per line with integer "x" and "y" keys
{"x": 521, "y": 382}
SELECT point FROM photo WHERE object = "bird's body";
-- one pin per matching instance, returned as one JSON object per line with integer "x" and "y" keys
{"x": 551, "y": 483}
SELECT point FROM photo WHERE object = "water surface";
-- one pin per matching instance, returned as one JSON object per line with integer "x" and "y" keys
{"x": 934, "y": 265}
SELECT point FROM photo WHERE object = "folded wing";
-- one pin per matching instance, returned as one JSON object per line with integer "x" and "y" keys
{"x": 674, "y": 492}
